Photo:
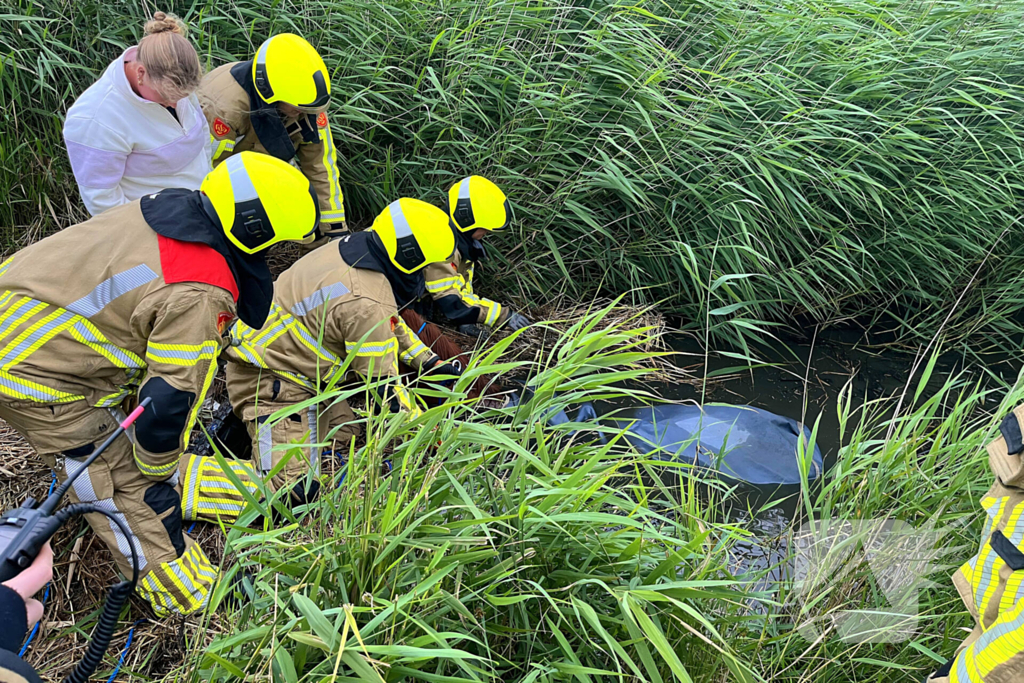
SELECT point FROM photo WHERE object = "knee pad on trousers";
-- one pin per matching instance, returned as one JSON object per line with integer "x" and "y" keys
{"x": 304, "y": 492}
{"x": 209, "y": 495}
{"x": 161, "y": 498}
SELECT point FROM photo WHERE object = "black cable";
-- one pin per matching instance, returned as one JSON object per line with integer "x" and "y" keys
{"x": 116, "y": 597}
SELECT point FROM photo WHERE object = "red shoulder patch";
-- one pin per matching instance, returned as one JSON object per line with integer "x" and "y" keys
{"x": 220, "y": 129}
{"x": 195, "y": 262}
{"x": 321, "y": 119}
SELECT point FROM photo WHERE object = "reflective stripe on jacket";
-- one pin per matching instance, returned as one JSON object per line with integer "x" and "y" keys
{"x": 992, "y": 582}
{"x": 328, "y": 319}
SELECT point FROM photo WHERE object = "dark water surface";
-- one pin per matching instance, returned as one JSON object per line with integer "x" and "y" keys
{"x": 803, "y": 380}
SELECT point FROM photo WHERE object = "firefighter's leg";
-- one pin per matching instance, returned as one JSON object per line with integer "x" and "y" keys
{"x": 271, "y": 441}
{"x": 176, "y": 575}
{"x": 338, "y": 424}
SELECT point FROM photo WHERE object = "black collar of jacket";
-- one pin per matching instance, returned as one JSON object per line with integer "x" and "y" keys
{"x": 471, "y": 250}
{"x": 266, "y": 120}
{"x": 365, "y": 250}
{"x": 182, "y": 215}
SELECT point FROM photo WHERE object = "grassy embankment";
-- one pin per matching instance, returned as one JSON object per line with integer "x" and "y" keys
{"x": 742, "y": 164}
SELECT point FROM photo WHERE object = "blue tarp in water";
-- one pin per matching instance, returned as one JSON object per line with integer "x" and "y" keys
{"x": 741, "y": 442}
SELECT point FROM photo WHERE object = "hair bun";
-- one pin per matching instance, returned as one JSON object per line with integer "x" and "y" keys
{"x": 163, "y": 22}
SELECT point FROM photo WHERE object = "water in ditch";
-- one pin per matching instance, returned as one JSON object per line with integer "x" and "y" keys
{"x": 802, "y": 379}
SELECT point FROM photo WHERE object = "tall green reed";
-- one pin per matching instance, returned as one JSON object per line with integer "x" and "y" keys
{"x": 918, "y": 464}
{"x": 741, "y": 163}
{"x": 498, "y": 548}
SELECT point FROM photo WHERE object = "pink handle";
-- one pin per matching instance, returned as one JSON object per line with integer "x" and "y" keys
{"x": 132, "y": 417}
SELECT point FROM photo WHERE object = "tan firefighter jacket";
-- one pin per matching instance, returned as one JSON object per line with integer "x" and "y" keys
{"x": 87, "y": 315}
{"x": 992, "y": 582}
{"x": 451, "y": 286}
{"x": 227, "y": 107}
{"x": 328, "y": 320}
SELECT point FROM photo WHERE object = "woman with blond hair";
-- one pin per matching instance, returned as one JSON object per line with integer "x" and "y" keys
{"x": 139, "y": 128}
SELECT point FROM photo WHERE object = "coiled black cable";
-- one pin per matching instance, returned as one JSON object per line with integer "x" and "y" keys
{"x": 116, "y": 598}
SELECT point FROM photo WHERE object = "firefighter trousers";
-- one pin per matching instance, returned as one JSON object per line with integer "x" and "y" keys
{"x": 314, "y": 429}
{"x": 175, "y": 574}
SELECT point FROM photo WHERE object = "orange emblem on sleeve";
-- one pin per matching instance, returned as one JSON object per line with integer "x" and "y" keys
{"x": 321, "y": 119}
{"x": 220, "y": 129}
{"x": 224, "y": 320}
{"x": 394, "y": 321}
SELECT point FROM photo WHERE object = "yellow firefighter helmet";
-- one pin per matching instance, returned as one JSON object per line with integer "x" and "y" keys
{"x": 476, "y": 202}
{"x": 414, "y": 233}
{"x": 288, "y": 69}
{"x": 261, "y": 200}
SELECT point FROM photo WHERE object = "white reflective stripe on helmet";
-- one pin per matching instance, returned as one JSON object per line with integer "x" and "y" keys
{"x": 261, "y": 56}
{"x": 402, "y": 227}
{"x": 241, "y": 185}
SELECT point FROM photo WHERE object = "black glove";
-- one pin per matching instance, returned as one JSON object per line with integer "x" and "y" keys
{"x": 471, "y": 330}
{"x": 436, "y": 366}
{"x": 517, "y": 321}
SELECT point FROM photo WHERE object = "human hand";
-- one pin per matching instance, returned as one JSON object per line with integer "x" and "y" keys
{"x": 31, "y": 580}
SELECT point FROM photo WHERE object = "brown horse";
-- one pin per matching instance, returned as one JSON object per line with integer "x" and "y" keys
{"x": 446, "y": 349}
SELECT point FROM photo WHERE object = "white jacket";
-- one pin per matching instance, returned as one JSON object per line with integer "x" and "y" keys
{"x": 122, "y": 146}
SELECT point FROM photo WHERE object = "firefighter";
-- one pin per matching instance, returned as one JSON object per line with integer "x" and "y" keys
{"x": 277, "y": 103}
{"x": 992, "y": 582}
{"x": 334, "y": 319}
{"x": 476, "y": 208}
{"x": 131, "y": 304}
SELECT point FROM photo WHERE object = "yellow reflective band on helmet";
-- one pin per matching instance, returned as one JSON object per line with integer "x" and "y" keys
{"x": 288, "y": 69}
{"x": 260, "y": 200}
{"x": 414, "y": 233}
{"x": 475, "y": 202}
